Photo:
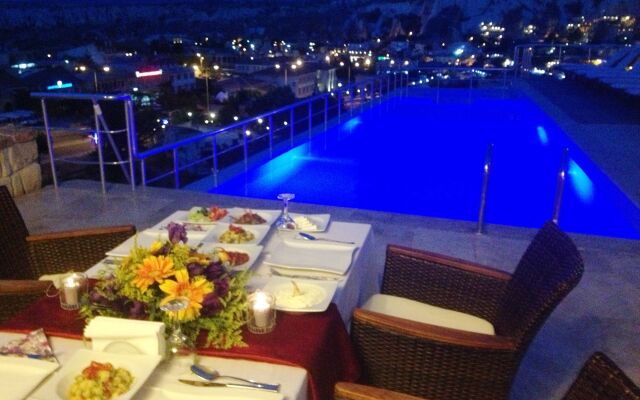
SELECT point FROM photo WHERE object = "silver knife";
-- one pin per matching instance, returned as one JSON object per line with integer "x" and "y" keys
{"x": 257, "y": 386}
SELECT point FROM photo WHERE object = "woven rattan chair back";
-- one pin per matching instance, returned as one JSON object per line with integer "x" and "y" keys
{"x": 13, "y": 232}
{"x": 549, "y": 269}
{"x": 601, "y": 379}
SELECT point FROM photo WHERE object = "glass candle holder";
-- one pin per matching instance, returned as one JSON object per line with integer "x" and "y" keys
{"x": 262, "y": 312}
{"x": 74, "y": 286}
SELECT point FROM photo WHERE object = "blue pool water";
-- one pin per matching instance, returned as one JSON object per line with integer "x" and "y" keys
{"x": 409, "y": 155}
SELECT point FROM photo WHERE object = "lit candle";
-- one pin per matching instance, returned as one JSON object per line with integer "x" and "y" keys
{"x": 70, "y": 286}
{"x": 261, "y": 310}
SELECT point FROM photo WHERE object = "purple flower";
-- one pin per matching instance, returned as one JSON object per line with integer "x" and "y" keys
{"x": 137, "y": 310}
{"x": 210, "y": 305}
{"x": 177, "y": 233}
{"x": 214, "y": 271}
{"x": 195, "y": 269}
{"x": 221, "y": 287}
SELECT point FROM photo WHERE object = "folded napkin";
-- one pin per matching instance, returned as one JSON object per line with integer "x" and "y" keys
{"x": 334, "y": 258}
{"x": 34, "y": 345}
{"x": 55, "y": 278}
{"x": 145, "y": 337}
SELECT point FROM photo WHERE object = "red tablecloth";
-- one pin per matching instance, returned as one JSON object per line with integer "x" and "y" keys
{"x": 317, "y": 342}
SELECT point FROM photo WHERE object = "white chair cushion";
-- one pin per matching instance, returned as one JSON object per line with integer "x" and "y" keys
{"x": 420, "y": 312}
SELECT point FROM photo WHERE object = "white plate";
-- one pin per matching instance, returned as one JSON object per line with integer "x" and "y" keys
{"x": 146, "y": 239}
{"x": 19, "y": 375}
{"x": 251, "y": 249}
{"x": 321, "y": 221}
{"x": 140, "y": 366}
{"x": 302, "y": 255}
{"x": 258, "y": 231}
{"x": 193, "y": 228}
{"x": 268, "y": 215}
{"x": 316, "y": 295}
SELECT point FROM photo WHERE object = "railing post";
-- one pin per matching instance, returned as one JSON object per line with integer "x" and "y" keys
{"x": 438, "y": 88}
{"x": 245, "y": 147}
{"x": 326, "y": 112}
{"x": 128, "y": 114}
{"x": 96, "y": 117}
{"x": 340, "y": 94}
{"x": 143, "y": 172}
{"x": 214, "y": 147}
{"x": 271, "y": 136}
{"x": 176, "y": 169}
{"x": 47, "y": 129}
{"x": 470, "y": 87}
{"x": 562, "y": 177}
{"x": 292, "y": 124}
{"x": 310, "y": 118}
{"x": 486, "y": 171}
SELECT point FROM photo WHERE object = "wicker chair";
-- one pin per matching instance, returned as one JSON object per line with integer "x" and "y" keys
{"x": 24, "y": 256}
{"x": 16, "y": 295}
{"x": 601, "y": 379}
{"x": 442, "y": 363}
{"x": 354, "y": 391}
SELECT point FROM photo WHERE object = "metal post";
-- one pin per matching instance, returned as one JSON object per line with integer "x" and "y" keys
{"x": 143, "y": 172}
{"x": 214, "y": 146}
{"x": 291, "y": 123}
{"x": 310, "y": 118}
{"x": 176, "y": 169}
{"x": 96, "y": 117}
{"x": 438, "y": 89}
{"x": 326, "y": 112}
{"x": 271, "y": 136}
{"x": 47, "y": 130}
{"x": 562, "y": 177}
{"x": 340, "y": 94}
{"x": 486, "y": 171}
{"x": 128, "y": 126}
{"x": 470, "y": 88}
{"x": 245, "y": 146}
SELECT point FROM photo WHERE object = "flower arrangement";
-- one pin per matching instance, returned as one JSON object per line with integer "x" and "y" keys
{"x": 151, "y": 277}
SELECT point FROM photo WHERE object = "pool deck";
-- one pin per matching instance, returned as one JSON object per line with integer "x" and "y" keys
{"x": 602, "y": 313}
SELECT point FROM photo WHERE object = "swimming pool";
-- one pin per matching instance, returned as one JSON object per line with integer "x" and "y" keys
{"x": 410, "y": 155}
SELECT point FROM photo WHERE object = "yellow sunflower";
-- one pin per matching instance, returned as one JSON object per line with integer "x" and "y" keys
{"x": 153, "y": 269}
{"x": 182, "y": 287}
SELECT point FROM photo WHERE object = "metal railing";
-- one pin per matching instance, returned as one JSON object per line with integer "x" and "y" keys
{"x": 262, "y": 135}
{"x": 526, "y": 57}
{"x": 101, "y": 131}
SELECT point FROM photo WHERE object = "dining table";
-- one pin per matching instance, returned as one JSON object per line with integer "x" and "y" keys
{"x": 306, "y": 353}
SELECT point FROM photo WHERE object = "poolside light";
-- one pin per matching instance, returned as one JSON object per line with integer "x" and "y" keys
{"x": 235, "y": 117}
{"x": 260, "y": 121}
{"x": 277, "y": 66}
{"x": 247, "y": 132}
{"x": 286, "y": 123}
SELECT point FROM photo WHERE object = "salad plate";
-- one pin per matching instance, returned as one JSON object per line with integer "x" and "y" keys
{"x": 146, "y": 239}
{"x": 139, "y": 365}
{"x": 245, "y": 216}
{"x": 251, "y": 250}
{"x": 236, "y": 234}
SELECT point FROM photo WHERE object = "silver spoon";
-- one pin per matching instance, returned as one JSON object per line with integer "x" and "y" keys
{"x": 307, "y": 236}
{"x": 211, "y": 375}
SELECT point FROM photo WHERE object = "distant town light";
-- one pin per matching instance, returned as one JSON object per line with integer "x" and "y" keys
{"x": 135, "y": 89}
{"x": 216, "y": 67}
{"x": 212, "y": 115}
{"x": 260, "y": 121}
{"x": 298, "y": 62}
{"x": 286, "y": 123}
{"x": 48, "y": 55}
{"x": 59, "y": 85}
{"x": 342, "y": 63}
{"x": 247, "y": 132}
{"x": 148, "y": 73}
{"x": 235, "y": 117}
{"x": 106, "y": 68}
{"x": 83, "y": 68}
{"x": 189, "y": 114}
{"x": 277, "y": 66}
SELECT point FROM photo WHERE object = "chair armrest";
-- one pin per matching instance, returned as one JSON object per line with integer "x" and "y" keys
{"x": 600, "y": 377}
{"x": 445, "y": 336}
{"x": 354, "y": 391}
{"x": 19, "y": 287}
{"x": 77, "y": 250}
{"x": 444, "y": 281}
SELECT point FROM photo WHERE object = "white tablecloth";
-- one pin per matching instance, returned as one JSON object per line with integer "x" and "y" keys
{"x": 293, "y": 380}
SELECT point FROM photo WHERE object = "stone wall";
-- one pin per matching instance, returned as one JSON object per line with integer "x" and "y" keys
{"x": 19, "y": 167}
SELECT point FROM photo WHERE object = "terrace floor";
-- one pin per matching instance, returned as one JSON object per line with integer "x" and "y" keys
{"x": 602, "y": 313}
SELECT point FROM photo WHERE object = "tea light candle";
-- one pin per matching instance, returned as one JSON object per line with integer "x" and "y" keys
{"x": 261, "y": 310}
{"x": 72, "y": 288}
{"x": 262, "y": 313}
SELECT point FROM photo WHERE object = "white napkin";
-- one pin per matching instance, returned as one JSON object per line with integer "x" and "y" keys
{"x": 329, "y": 257}
{"x": 19, "y": 376}
{"x": 55, "y": 278}
{"x": 147, "y": 337}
